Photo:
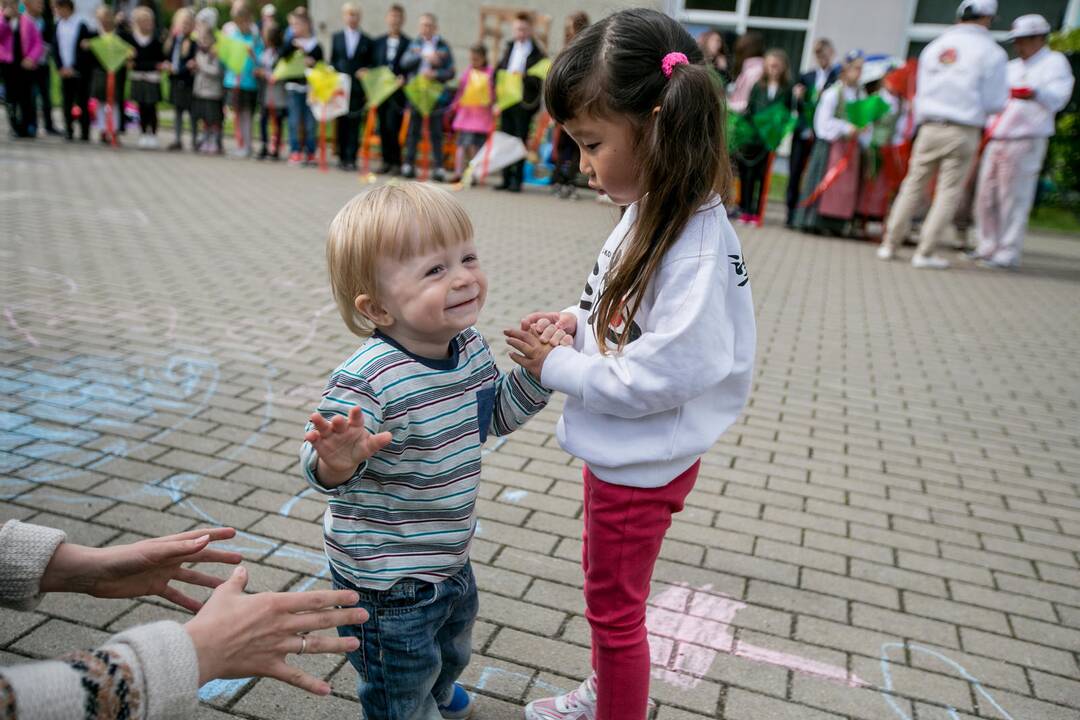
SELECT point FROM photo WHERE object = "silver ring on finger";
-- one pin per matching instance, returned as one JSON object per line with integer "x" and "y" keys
{"x": 303, "y": 644}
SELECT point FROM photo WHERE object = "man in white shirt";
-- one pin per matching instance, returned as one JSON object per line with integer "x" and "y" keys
{"x": 961, "y": 82}
{"x": 520, "y": 54}
{"x": 1040, "y": 85}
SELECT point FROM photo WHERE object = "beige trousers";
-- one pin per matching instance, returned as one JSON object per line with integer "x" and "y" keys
{"x": 944, "y": 150}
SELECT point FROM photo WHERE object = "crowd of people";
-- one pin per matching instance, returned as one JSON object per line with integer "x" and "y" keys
{"x": 845, "y": 168}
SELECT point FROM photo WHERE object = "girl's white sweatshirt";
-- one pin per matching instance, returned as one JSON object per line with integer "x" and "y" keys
{"x": 643, "y": 416}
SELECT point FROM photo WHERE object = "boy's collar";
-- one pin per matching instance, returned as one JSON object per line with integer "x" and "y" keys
{"x": 447, "y": 363}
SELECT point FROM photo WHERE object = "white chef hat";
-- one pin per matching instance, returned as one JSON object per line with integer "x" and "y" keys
{"x": 1029, "y": 26}
{"x": 978, "y": 8}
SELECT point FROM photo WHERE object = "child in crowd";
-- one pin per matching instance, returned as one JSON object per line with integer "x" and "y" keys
{"x": 395, "y": 443}
{"x": 565, "y": 155}
{"x": 272, "y": 98}
{"x": 146, "y": 66}
{"x": 99, "y": 82}
{"x": 20, "y": 49}
{"x": 301, "y": 121}
{"x": 774, "y": 88}
{"x": 207, "y": 107}
{"x": 180, "y": 63}
{"x": 73, "y": 64}
{"x": 664, "y": 334}
{"x": 473, "y": 116}
{"x": 242, "y": 88}
{"x": 430, "y": 56}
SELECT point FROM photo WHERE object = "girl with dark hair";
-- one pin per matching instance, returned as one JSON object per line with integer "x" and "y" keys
{"x": 774, "y": 88}
{"x": 663, "y": 337}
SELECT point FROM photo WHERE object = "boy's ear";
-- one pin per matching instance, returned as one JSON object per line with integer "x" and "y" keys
{"x": 370, "y": 308}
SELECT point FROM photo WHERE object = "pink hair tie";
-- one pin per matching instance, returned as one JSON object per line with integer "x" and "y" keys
{"x": 671, "y": 60}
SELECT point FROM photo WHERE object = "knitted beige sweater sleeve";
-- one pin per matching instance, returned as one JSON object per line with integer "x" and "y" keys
{"x": 147, "y": 673}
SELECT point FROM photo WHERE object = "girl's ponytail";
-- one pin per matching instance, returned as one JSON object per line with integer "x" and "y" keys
{"x": 618, "y": 67}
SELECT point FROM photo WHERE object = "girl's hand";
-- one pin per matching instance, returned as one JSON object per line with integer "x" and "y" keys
{"x": 238, "y": 635}
{"x": 798, "y": 91}
{"x": 553, "y": 328}
{"x": 309, "y": 61}
{"x": 531, "y": 351}
{"x": 342, "y": 444}
{"x": 166, "y": 67}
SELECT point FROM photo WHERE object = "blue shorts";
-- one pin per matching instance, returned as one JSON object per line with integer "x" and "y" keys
{"x": 415, "y": 645}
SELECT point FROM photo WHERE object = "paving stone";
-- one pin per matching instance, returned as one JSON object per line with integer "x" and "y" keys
{"x": 57, "y": 637}
{"x": 858, "y": 703}
{"x": 272, "y": 699}
{"x": 539, "y": 652}
{"x": 912, "y": 683}
{"x": 523, "y": 616}
{"x": 745, "y": 705}
{"x": 1018, "y": 651}
{"x": 149, "y": 522}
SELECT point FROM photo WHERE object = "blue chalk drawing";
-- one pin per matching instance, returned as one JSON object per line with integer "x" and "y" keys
{"x": 888, "y": 688}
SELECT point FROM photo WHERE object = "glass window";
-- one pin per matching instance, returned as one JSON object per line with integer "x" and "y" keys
{"x": 790, "y": 41}
{"x": 791, "y": 9}
{"x": 944, "y": 13}
{"x": 717, "y": 5}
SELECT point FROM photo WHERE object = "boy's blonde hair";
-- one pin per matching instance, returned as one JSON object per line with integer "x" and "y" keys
{"x": 142, "y": 13}
{"x": 392, "y": 222}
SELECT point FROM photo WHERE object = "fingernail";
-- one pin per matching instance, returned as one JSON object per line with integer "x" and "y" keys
{"x": 324, "y": 690}
{"x": 200, "y": 540}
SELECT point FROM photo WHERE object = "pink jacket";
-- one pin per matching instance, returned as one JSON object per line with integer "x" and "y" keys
{"x": 31, "y": 39}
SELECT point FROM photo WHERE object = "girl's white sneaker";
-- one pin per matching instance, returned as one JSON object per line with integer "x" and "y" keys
{"x": 577, "y": 704}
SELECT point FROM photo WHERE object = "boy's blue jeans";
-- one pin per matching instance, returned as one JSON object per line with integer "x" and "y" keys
{"x": 300, "y": 114}
{"x": 415, "y": 645}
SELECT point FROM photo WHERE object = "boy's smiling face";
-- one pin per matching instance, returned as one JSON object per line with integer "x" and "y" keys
{"x": 428, "y": 298}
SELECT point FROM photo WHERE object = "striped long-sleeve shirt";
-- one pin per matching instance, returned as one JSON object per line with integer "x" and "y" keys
{"x": 409, "y": 510}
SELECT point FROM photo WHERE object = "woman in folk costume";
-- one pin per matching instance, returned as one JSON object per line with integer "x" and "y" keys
{"x": 881, "y": 174}
{"x": 831, "y": 209}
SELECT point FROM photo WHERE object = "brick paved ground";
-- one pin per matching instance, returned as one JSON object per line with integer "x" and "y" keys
{"x": 892, "y": 530}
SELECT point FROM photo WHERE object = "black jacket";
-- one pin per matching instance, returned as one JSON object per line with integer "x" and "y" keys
{"x": 379, "y": 52}
{"x": 187, "y": 52}
{"x": 808, "y": 80}
{"x": 84, "y": 59}
{"x": 532, "y": 85}
{"x": 362, "y": 57}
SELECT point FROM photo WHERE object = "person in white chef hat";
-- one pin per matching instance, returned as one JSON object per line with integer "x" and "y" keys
{"x": 1040, "y": 85}
{"x": 961, "y": 81}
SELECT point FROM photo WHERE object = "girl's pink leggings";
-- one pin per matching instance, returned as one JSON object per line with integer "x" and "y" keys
{"x": 624, "y": 527}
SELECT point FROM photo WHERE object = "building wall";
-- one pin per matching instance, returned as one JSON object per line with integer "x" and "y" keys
{"x": 459, "y": 20}
{"x": 848, "y": 24}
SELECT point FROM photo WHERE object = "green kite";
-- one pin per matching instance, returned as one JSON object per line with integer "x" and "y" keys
{"x": 233, "y": 52}
{"x": 863, "y": 112}
{"x": 290, "y": 68}
{"x": 111, "y": 51}
{"x": 379, "y": 84}
{"x": 423, "y": 93}
{"x": 509, "y": 89}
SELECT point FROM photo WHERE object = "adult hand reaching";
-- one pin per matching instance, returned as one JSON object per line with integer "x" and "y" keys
{"x": 143, "y": 568}
{"x": 238, "y": 635}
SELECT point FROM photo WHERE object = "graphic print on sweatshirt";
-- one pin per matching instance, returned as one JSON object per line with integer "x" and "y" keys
{"x": 591, "y": 295}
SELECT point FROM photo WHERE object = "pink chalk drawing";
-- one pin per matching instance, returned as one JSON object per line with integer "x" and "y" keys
{"x": 688, "y": 628}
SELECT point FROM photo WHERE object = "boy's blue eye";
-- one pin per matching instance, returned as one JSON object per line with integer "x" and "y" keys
{"x": 435, "y": 270}
{"x": 469, "y": 259}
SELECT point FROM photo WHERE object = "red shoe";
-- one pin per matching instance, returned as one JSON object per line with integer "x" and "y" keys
{"x": 309, "y": 159}
{"x": 295, "y": 158}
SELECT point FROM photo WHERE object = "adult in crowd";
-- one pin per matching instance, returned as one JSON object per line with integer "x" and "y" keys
{"x": 351, "y": 52}
{"x": 714, "y": 49}
{"x": 961, "y": 82}
{"x": 813, "y": 83}
{"x": 154, "y": 671}
{"x": 836, "y": 140}
{"x": 567, "y": 156}
{"x": 1040, "y": 85}
{"x": 749, "y": 66}
{"x": 520, "y": 54}
{"x": 430, "y": 56}
{"x": 389, "y": 49}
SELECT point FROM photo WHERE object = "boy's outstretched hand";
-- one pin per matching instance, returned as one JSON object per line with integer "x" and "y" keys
{"x": 342, "y": 444}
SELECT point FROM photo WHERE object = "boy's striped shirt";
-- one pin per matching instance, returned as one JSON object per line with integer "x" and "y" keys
{"x": 409, "y": 510}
